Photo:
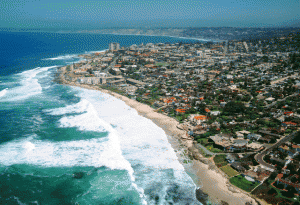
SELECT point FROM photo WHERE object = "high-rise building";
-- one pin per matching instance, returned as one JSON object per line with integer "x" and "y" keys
{"x": 114, "y": 46}
{"x": 246, "y": 46}
{"x": 226, "y": 47}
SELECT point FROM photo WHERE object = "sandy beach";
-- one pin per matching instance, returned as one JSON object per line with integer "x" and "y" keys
{"x": 205, "y": 175}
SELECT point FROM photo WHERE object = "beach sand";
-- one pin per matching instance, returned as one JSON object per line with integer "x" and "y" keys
{"x": 207, "y": 177}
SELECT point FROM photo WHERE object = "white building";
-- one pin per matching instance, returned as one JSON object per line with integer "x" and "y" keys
{"x": 114, "y": 46}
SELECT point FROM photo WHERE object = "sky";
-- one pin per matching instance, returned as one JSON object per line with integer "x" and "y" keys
{"x": 86, "y": 14}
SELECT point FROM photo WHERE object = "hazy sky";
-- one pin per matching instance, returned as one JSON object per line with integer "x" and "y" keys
{"x": 106, "y": 13}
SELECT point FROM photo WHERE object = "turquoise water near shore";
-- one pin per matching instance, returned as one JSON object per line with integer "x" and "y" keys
{"x": 65, "y": 145}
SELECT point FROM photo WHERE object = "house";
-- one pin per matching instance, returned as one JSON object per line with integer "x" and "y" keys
{"x": 283, "y": 148}
{"x": 238, "y": 166}
{"x": 215, "y": 113}
{"x": 289, "y": 124}
{"x": 180, "y": 111}
{"x": 253, "y": 136}
{"x": 198, "y": 119}
{"x": 222, "y": 104}
{"x": 239, "y": 135}
{"x": 231, "y": 158}
{"x": 221, "y": 141}
{"x": 243, "y": 132}
{"x": 254, "y": 146}
{"x": 238, "y": 145}
{"x": 296, "y": 147}
{"x": 266, "y": 139}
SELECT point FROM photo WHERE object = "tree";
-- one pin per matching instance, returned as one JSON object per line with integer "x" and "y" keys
{"x": 233, "y": 107}
{"x": 265, "y": 58}
{"x": 202, "y": 107}
{"x": 90, "y": 71}
{"x": 290, "y": 192}
{"x": 272, "y": 191}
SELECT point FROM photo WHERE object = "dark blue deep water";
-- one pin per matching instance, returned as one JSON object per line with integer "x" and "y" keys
{"x": 65, "y": 145}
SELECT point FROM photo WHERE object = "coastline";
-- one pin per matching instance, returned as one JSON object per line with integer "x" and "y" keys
{"x": 128, "y": 34}
{"x": 210, "y": 180}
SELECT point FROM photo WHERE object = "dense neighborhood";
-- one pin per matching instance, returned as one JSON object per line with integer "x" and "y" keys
{"x": 238, "y": 100}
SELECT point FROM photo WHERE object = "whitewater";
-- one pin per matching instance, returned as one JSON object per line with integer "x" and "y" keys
{"x": 127, "y": 142}
{"x": 68, "y": 145}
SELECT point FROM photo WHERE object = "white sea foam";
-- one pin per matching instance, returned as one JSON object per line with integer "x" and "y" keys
{"x": 93, "y": 152}
{"x": 55, "y": 154}
{"x": 3, "y": 92}
{"x": 28, "y": 86}
{"x": 143, "y": 144}
{"x": 75, "y": 108}
{"x": 64, "y": 57}
{"x": 88, "y": 120}
{"x": 97, "y": 51}
{"x": 141, "y": 140}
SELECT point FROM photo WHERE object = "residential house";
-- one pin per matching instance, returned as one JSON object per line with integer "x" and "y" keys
{"x": 197, "y": 119}
{"x": 238, "y": 145}
{"x": 231, "y": 158}
{"x": 253, "y": 136}
{"x": 238, "y": 166}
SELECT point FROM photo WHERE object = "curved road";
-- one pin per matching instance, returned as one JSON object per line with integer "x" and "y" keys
{"x": 259, "y": 157}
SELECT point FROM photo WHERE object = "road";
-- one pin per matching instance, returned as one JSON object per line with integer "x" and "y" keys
{"x": 282, "y": 79}
{"x": 274, "y": 103}
{"x": 259, "y": 157}
{"x": 112, "y": 64}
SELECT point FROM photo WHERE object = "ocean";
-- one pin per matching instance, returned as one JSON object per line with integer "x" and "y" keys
{"x": 67, "y": 145}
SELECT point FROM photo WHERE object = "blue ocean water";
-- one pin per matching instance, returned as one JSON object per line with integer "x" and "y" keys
{"x": 66, "y": 145}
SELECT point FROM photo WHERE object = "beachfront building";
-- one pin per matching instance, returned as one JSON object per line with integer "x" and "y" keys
{"x": 89, "y": 80}
{"x": 222, "y": 142}
{"x": 197, "y": 119}
{"x": 114, "y": 46}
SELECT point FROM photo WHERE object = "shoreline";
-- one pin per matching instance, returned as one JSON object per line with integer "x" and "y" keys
{"x": 206, "y": 177}
{"x": 123, "y": 34}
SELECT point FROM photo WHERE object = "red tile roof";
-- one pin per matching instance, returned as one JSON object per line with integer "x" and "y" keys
{"x": 200, "y": 117}
{"x": 181, "y": 110}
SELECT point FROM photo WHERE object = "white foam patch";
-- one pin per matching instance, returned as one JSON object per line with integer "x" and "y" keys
{"x": 64, "y": 57}
{"x": 90, "y": 121}
{"x": 3, "y": 92}
{"x": 80, "y": 107}
{"x": 97, "y": 51}
{"x": 142, "y": 143}
{"x": 94, "y": 152}
{"x": 29, "y": 85}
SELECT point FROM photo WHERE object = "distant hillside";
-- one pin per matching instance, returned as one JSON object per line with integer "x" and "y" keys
{"x": 208, "y": 33}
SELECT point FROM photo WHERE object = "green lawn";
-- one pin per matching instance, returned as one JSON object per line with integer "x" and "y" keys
{"x": 229, "y": 171}
{"x": 211, "y": 148}
{"x": 208, "y": 145}
{"x": 203, "y": 153}
{"x": 202, "y": 141}
{"x": 243, "y": 183}
{"x": 220, "y": 160}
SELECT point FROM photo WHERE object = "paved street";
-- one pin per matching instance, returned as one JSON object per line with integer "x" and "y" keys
{"x": 259, "y": 157}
